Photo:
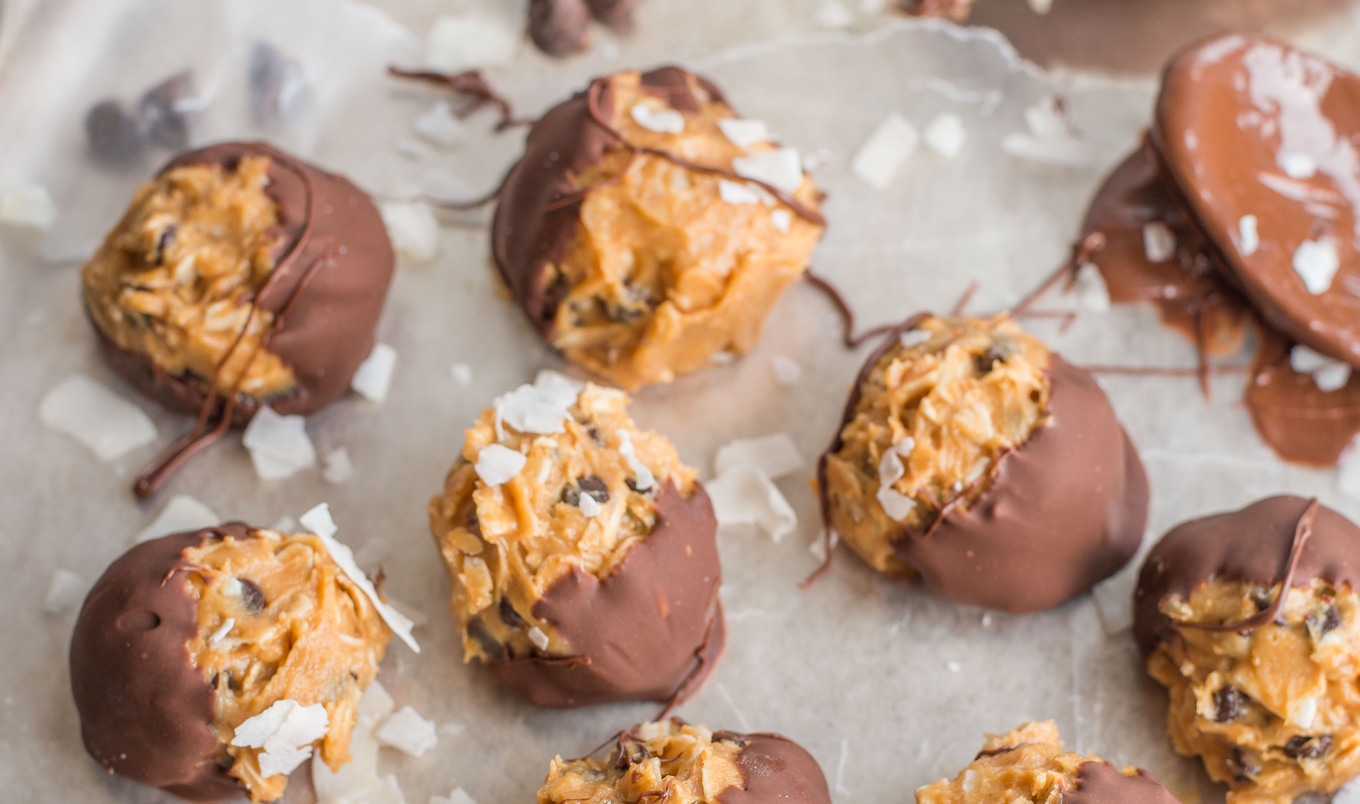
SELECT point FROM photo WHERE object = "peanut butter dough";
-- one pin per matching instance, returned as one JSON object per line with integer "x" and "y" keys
{"x": 935, "y": 413}
{"x": 175, "y": 279}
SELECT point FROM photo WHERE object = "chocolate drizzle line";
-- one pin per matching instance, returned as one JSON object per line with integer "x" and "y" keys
{"x": 154, "y": 476}
{"x": 847, "y": 315}
{"x": 1302, "y": 532}
{"x": 471, "y": 83}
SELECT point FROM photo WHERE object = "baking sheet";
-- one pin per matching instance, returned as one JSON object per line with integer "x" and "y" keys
{"x": 887, "y": 688}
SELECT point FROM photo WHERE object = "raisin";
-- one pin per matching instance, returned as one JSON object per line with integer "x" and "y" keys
{"x": 1303, "y": 747}
{"x": 1320, "y": 623}
{"x": 509, "y": 616}
{"x": 1228, "y": 704}
{"x": 252, "y": 596}
{"x": 985, "y": 362}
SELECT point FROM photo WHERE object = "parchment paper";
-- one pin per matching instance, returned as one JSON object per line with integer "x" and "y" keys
{"x": 888, "y": 689}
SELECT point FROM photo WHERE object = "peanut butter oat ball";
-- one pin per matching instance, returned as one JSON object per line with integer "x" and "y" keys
{"x": 581, "y": 551}
{"x": 976, "y": 463}
{"x": 1027, "y": 765}
{"x": 211, "y": 664}
{"x": 683, "y": 764}
{"x": 648, "y": 228}
{"x": 1251, "y": 621}
{"x": 239, "y": 277}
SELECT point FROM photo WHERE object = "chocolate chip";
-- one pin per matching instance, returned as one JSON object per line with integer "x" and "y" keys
{"x": 1229, "y": 702}
{"x": 278, "y": 86}
{"x": 170, "y": 110}
{"x": 1243, "y": 765}
{"x": 252, "y": 596}
{"x": 1320, "y": 623}
{"x": 163, "y": 242}
{"x": 1262, "y": 597}
{"x": 509, "y": 616}
{"x": 559, "y": 27}
{"x": 114, "y": 133}
{"x": 1303, "y": 747}
{"x": 985, "y": 362}
{"x": 493, "y": 649}
{"x": 595, "y": 487}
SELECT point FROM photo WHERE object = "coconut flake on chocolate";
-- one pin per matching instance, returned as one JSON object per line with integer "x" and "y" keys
{"x": 181, "y": 514}
{"x": 408, "y": 732}
{"x": 537, "y": 636}
{"x": 773, "y": 455}
{"x": 64, "y": 591}
{"x": 27, "y": 205}
{"x": 318, "y": 521}
{"x": 1329, "y": 374}
{"x": 890, "y": 145}
{"x": 1248, "y": 236}
{"x": 1159, "y": 242}
{"x": 1316, "y": 262}
{"x": 279, "y": 446}
{"x": 498, "y": 464}
{"x": 746, "y": 496}
{"x": 413, "y": 228}
{"x": 744, "y": 132}
{"x": 662, "y": 121}
{"x": 286, "y": 731}
{"x": 946, "y": 135}
{"x": 780, "y": 168}
{"x": 105, "y": 422}
{"x": 374, "y": 376}
{"x": 1297, "y": 165}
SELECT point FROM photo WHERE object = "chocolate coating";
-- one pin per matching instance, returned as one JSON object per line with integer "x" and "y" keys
{"x": 776, "y": 769}
{"x": 539, "y": 206}
{"x": 1228, "y": 110}
{"x": 1254, "y": 545}
{"x": 1299, "y": 421}
{"x": 1064, "y": 510}
{"x": 145, "y": 710}
{"x": 651, "y": 630}
{"x": 333, "y": 269}
{"x": 1100, "y": 783}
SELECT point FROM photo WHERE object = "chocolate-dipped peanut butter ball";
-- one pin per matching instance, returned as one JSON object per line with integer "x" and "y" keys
{"x": 676, "y": 762}
{"x": 240, "y": 277}
{"x": 581, "y": 551}
{"x": 1251, "y": 621}
{"x": 1027, "y": 765}
{"x": 648, "y": 228}
{"x": 976, "y": 463}
{"x": 211, "y": 664}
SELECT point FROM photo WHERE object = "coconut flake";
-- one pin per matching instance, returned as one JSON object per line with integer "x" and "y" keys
{"x": 216, "y": 637}
{"x": 643, "y": 479}
{"x": 589, "y": 506}
{"x": 439, "y": 126}
{"x": 318, "y": 520}
{"x": 1297, "y": 165}
{"x": 468, "y": 41}
{"x": 779, "y": 168}
{"x": 105, "y": 422}
{"x": 543, "y": 408}
{"x": 895, "y": 504}
{"x": 536, "y": 634}
{"x": 375, "y": 705}
{"x": 1089, "y": 289}
{"x": 1316, "y": 262}
{"x": 458, "y": 796}
{"x": 662, "y": 121}
{"x": 913, "y": 338}
{"x": 1328, "y": 373}
{"x": 1049, "y": 138}
{"x": 338, "y": 467}
{"x": 278, "y": 445}
{"x": 890, "y": 145}
{"x": 28, "y": 205}
{"x": 782, "y": 220}
{"x": 787, "y": 371}
{"x": 773, "y": 456}
{"x": 408, "y": 732}
{"x": 374, "y": 377}
{"x": 413, "y": 228}
{"x": 946, "y": 135}
{"x": 64, "y": 591}
{"x": 1248, "y": 239}
{"x": 498, "y": 464}
{"x": 744, "y": 132}
{"x": 733, "y": 192}
{"x": 1047, "y": 119}
{"x": 180, "y": 515}
{"x": 834, "y": 15}
{"x": 745, "y": 496}
{"x": 461, "y": 372}
{"x": 286, "y": 731}
{"x": 890, "y": 468}
{"x": 1159, "y": 242}
{"x": 1304, "y": 712}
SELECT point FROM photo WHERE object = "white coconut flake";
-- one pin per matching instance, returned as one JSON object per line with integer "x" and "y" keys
{"x": 773, "y": 456}
{"x": 1248, "y": 239}
{"x": 782, "y": 220}
{"x": 542, "y": 408}
{"x": 1329, "y": 374}
{"x": 890, "y": 468}
{"x": 1089, "y": 289}
{"x": 1159, "y": 242}
{"x": 589, "y": 506}
{"x": 662, "y": 121}
{"x": 27, "y": 205}
{"x": 890, "y": 145}
{"x": 461, "y": 372}
{"x": 278, "y": 445}
{"x": 744, "y": 132}
{"x": 181, "y": 514}
{"x": 498, "y": 464}
{"x": 643, "y": 479}
{"x": 318, "y": 520}
{"x": 787, "y": 371}
{"x": 780, "y": 168}
{"x": 458, "y": 796}
{"x": 1316, "y": 262}
{"x": 413, "y": 228}
{"x": 946, "y": 135}
{"x": 1297, "y": 165}
{"x": 1065, "y": 151}
{"x": 375, "y": 705}
{"x": 216, "y": 637}
{"x": 913, "y": 338}
{"x": 834, "y": 15}
{"x": 408, "y": 732}
{"x": 1304, "y": 712}
{"x": 733, "y": 192}
{"x": 105, "y": 422}
{"x": 374, "y": 377}
{"x": 895, "y": 504}
{"x": 468, "y": 41}
{"x": 65, "y": 590}
{"x": 286, "y": 731}
{"x": 745, "y": 496}
{"x": 338, "y": 468}
{"x": 537, "y": 636}
{"x": 439, "y": 126}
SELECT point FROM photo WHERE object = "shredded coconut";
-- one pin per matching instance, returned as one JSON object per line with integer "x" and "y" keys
{"x": 643, "y": 479}
{"x": 662, "y": 121}
{"x": 408, "y": 732}
{"x": 498, "y": 464}
{"x": 745, "y": 496}
{"x": 105, "y": 422}
{"x": 890, "y": 145}
{"x": 780, "y": 168}
{"x": 1248, "y": 239}
{"x": 1316, "y": 262}
{"x": 286, "y": 731}
{"x": 744, "y": 132}
{"x": 279, "y": 445}
{"x": 1159, "y": 242}
{"x": 946, "y": 135}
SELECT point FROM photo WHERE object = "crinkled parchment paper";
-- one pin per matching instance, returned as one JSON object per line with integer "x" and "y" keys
{"x": 888, "y": 688}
